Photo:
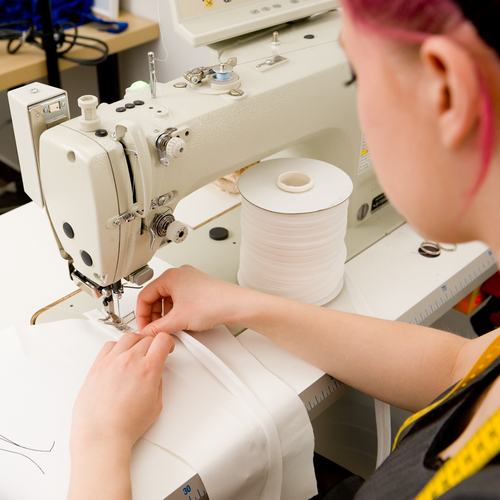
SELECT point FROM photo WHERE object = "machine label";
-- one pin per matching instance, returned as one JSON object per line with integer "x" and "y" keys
{"x": 365, "y": 161}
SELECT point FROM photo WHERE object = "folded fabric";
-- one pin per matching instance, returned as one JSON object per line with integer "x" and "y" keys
{"x": 203, "y": 423}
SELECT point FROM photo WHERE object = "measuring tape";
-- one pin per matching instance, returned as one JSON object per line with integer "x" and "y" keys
{"x": 489, "y": 355}
{"x": 481, "y": 448}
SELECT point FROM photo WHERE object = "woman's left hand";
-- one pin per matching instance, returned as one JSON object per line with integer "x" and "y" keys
{"x": 119, "y": 400}
{"x": 121, "y": 396}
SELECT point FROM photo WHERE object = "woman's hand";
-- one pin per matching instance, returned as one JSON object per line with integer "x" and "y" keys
{"x": 187, "y": 299}
{"x": 119, "y": 400}
{"x": 121, "y": 396}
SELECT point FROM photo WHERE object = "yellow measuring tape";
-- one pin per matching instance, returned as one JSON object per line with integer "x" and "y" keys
{"x": 482, "y": 447}
{"x": 489, "y": 355}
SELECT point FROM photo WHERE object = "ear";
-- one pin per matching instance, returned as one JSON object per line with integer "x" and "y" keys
{"x": 454, "y": 87}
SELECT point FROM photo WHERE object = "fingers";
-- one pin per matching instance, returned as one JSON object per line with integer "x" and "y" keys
{"x": 157, "y": 310}
{"x": 155, "y": 305}
{"x": 161, "y": 346}
{"x": 141, "y": 348}
{"x": 165, "y": 324}
{"x": 147, "y": 313}
{"x": 105, "y": 350}
{"x": 142, "y": 314}
{"x": 127, "y": 341}
{"x": 141, "y": 344}
{"x": 150, "y": 301}
{"x": 159, "y": 402}
{"x": 157, "y": 350}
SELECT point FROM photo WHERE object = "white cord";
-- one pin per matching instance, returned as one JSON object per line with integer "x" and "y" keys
{"x": 161, "y": 33}
{"x": 382, "y": 410}
{"x": 383, "y": 421}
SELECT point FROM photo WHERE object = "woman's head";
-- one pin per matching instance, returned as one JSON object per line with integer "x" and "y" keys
{"x": 406, "y": 19}
{"x": 424, "y": 101}
{"x": 414, "y": 20}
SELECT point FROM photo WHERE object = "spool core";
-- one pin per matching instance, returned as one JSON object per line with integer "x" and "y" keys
{"x": 295, "y": 182}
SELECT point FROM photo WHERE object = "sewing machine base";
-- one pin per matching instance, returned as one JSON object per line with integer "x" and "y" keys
{"x": 333, "y": 415}
{"x": 219, "y": 258}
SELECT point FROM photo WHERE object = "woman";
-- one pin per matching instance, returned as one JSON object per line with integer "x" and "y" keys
{"x": 428, "y": 76}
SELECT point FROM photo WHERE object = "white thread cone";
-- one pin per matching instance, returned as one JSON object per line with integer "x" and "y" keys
{"x": 293, "y": 242}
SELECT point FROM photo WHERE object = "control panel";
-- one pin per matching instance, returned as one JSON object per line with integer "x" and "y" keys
{"x": 201, "y": 22}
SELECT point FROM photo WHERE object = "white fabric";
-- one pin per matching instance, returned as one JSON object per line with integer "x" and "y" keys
{"x": 288, "y": 411}
{"x": 252, "y": 405}
{"x": 37, "y": 399}
{"x": 202, "y": 422}
{"x": 280, "y": 428}
{"x": 10, "y": 343}
{"x": 211, "y": 430}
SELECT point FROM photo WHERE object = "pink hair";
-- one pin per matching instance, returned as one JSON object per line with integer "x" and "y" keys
{"x": 412, "y": 21}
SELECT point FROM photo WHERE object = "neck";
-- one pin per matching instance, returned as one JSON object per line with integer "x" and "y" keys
{"x": 483, "y": 217}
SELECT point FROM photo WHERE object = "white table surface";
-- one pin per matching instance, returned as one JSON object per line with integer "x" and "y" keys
{"x": 395, "y": 280}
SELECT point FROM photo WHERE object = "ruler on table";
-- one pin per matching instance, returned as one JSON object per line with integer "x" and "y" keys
{"x": 450, "y": 292}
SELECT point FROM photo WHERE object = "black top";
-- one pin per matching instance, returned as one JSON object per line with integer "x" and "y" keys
{"x": 414, "y": 462}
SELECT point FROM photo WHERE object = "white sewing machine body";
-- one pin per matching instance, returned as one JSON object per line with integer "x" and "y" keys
{"x": 115, "y": 190}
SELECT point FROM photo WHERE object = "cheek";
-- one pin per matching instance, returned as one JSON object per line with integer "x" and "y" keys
{"x": 406, "y": 185}
{"x": 376, "y": 125}
{"x": 376, "y": 116}
{"x": 392, "y": 163}
{"x": 388, "y": 123}
{"x": 390, "y": 137}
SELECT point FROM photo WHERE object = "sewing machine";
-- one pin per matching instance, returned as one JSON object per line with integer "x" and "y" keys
{"x": 111, "y": 179}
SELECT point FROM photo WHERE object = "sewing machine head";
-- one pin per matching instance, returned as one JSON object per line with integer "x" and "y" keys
{"x": 111, "y": 179}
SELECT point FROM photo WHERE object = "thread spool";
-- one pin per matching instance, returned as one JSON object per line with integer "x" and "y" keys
{"x": 293, "y": 222}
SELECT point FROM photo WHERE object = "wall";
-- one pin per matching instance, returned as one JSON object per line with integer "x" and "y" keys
{"x": 181, "y": 56}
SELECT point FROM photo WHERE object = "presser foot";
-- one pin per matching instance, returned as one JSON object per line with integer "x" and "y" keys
{"x": 121, "y": 324}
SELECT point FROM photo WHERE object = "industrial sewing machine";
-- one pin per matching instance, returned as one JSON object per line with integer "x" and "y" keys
{"x": 110, "y": 179}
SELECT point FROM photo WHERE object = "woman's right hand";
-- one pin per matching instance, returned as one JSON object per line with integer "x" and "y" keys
{"x": 187, "y": 299}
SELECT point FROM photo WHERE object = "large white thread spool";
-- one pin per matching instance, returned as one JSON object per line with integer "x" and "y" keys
{"x": 293, "y": 223}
